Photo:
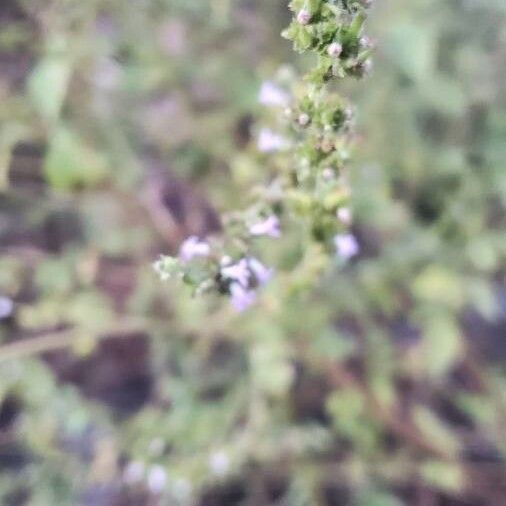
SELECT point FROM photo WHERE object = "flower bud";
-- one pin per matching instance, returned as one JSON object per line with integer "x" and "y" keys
{"x": 304, "y": 119}
{"x": 303, "y": 17}
{"x": 365, "y": 42}
{"x": 344, "y": 215}
{"x": 334, "y": 50}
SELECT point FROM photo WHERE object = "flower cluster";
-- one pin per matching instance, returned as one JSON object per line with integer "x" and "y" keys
{"x": 313, "y": 189}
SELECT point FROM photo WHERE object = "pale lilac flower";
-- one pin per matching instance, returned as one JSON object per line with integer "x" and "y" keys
{"x": 303, "y": 119}
{"x": 242, "y": 298}
{"x": 269, "y": 141}
{"x": 328, "y": 174}
{"x": 6, "y": 307}
{"x": 262, "y": 273}
{"x": 194, "y": 247}
{"x": 157, "y": 479}
{"x": 219, "y": 463}
{"x": 238, "y": 272}
{"x": 346, "y": 246}
{"x": 303, "y": 17}
{"x": 269, "y": 227}
{"x": 334, "y": 50}
{"x": 365, "y": 42}
{"x": 344, "y": 214}
{"x": 272, "y": 95}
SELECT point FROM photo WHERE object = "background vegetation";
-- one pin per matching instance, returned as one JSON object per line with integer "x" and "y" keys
{"x": 126, "y": 126}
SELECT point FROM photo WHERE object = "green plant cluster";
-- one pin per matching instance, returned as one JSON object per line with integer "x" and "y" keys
{"x": 313, "y": 189}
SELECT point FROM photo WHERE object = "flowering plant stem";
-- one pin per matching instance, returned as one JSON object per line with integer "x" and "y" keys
{"x": 313, "y": 188}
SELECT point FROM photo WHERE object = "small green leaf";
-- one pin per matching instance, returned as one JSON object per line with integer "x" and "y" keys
{"x": 435, "y": 430}
{"x": 48, "y": 83}
{"x": 443, "y": 475}
{"x": 70, "y": 163}
{"x": 442, "y": 344}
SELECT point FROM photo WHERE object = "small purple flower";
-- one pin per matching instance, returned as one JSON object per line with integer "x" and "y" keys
{"x": 194, "y": 247}
{"x": 269, "y": 141}
{"x": 346, "y": 246}
{"x": 219, "y": 462}
{"x": 242, "y": 298}
{"x": 6, "y": 307}
{"x": 262, "y": 273}
{"x": 334, "y": 50}
{"x": 269, "y": 227}
{"x": 303, "y": 17}
{"x": 238, "y": 272}
{"x": 157, "y": 479}
{"x": 272, "y": 95}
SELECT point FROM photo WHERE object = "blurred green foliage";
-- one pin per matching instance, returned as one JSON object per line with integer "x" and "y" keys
{"x": 123, "y": 125}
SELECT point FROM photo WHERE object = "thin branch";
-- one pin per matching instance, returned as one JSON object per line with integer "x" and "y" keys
{"x": 60, "y": 340}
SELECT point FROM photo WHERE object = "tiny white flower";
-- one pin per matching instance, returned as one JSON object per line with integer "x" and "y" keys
{"x": 365, "y": 42}
{"x": 334, "y": 50}
{"x": 346, "y": 246}
{"x": 225, "y": 260}
{"x": 269, "y": 141}
{"x": 328, "y": 174}
{"x": 194, "y": 247}
{"x": 272, "y": 95}
{"x": 304, "y": 119}
{"x": 269, "y": 227}
{"x": 157, "y": 479}
{"x": 344, "y": 214}
{"x": 219, "y": 463}
{"x": 303, "y": 17}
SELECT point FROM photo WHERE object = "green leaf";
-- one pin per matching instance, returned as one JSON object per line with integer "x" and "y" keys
{"x": 442, "y": 344}
{"x": 70, "y": 163}
{"x": 443, "y": 475}
{"x": 411, "y": 47}
{"x": 439, "y": 285}
{"x": 48, "y": 83}
{"x": 435, "y": 430}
